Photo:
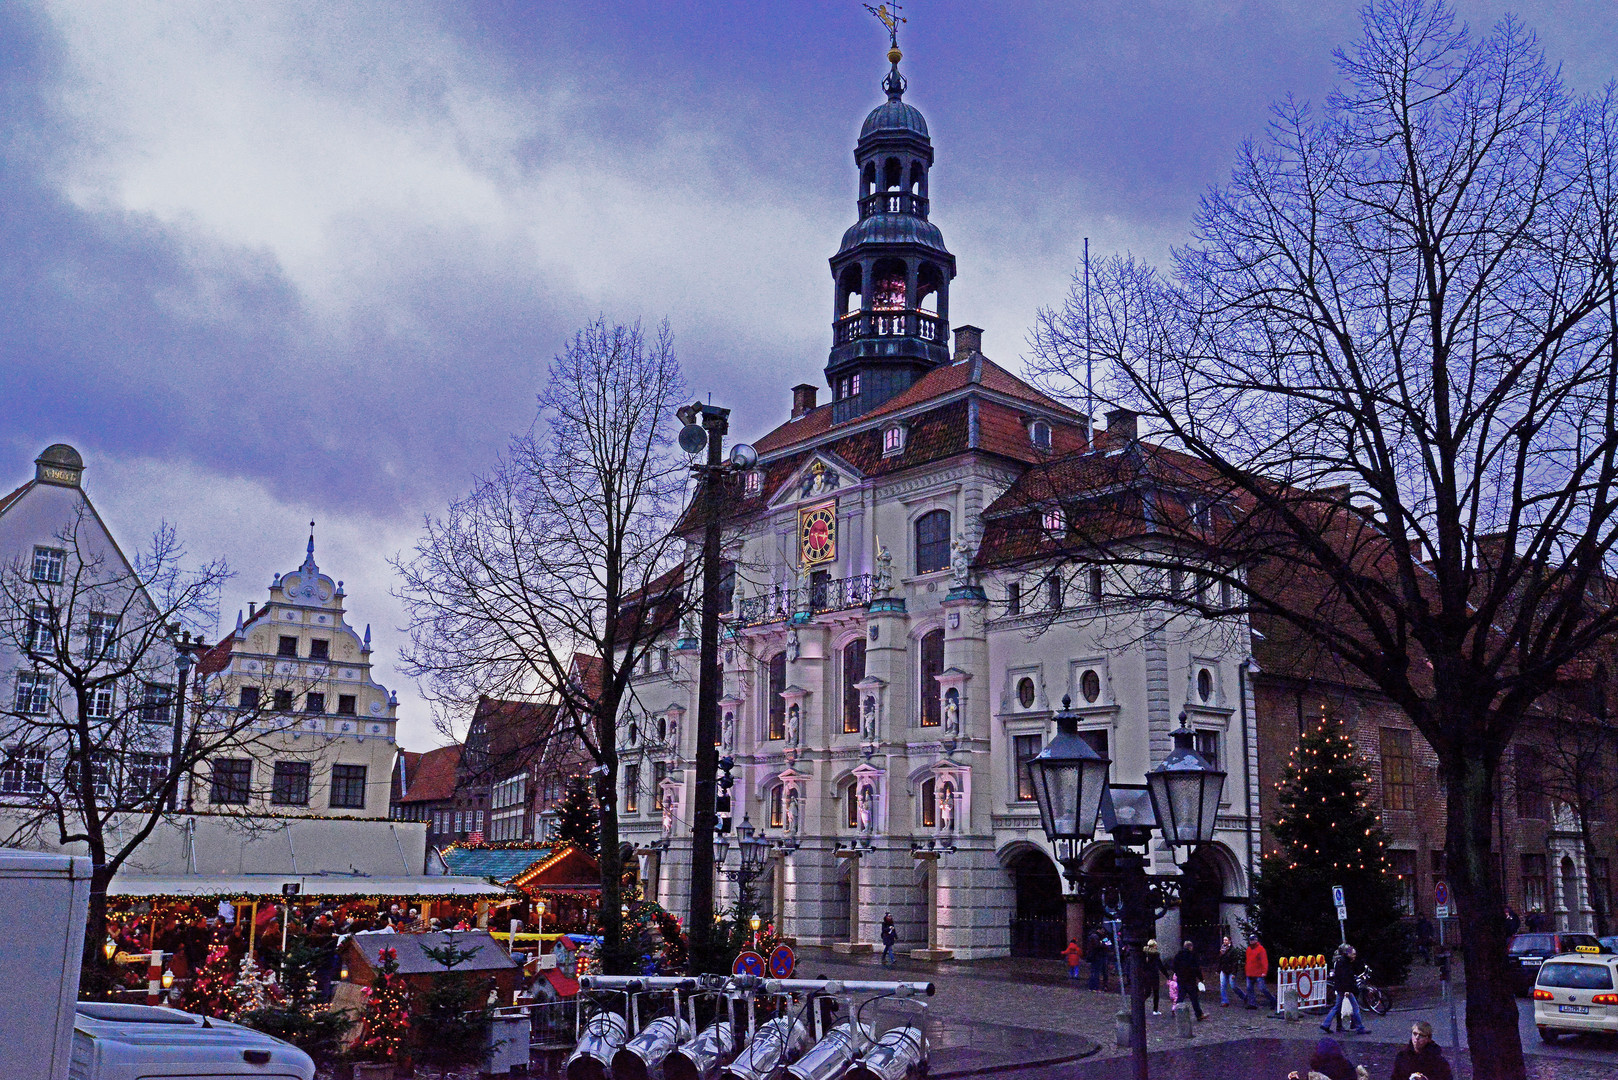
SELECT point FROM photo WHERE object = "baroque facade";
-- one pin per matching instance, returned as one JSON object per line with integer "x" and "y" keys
{"x": 901, "y": 630}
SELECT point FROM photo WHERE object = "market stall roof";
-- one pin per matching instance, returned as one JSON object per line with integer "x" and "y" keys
{"x": 501, "y": 864}
{"x": 533, "y": 868}
{"x": 225, "y": 886}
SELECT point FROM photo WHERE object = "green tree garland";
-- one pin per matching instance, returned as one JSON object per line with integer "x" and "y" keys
{"x": 387, "y": 1012}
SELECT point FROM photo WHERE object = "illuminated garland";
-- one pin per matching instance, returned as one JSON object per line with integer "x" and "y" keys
{"x": 387, "y": 1012}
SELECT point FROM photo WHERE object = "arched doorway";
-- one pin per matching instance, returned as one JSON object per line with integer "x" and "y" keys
{"x": 1201, "y": 892}
{"x": 1039, "y": 919}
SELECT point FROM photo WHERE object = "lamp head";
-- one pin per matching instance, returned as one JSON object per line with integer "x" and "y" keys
{"x": 1070, "y": 780}
{"x": 1185, "y": 790}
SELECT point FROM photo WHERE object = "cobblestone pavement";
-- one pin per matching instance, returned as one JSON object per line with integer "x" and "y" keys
{"x": 1034, "y": 995}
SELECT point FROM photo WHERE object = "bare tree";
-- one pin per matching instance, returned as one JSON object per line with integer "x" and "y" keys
{"x": 94, "y": 748}
{"x": 1391, "y": 344}
{"x": 554, "y": 577}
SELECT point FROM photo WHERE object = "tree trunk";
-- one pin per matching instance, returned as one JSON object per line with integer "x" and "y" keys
{"x": 1491, "y": 1006}
{"x": 96, "y": 971}
{"x": 615, "y": 958}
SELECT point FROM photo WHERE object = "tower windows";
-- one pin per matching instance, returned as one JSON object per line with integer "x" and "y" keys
{"x": 932, "y": 541}
{"x": 918, "y": 179}
{"x": 893, "y": 173}
{"x": 868, "y": 180}
{"x": 776, "y": 705}
{"x": 932, "y": 666}
{"x": 888, "y": 292}
{"x": 853, "y": 672}
{"x": 849, "y": 292}
{"x": 929, "y": 283}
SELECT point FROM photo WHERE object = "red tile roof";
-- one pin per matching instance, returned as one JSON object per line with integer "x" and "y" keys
{"x": 9, "y": 499}
{"x": 434, "y": 777}
{"x": 589, "y": 671}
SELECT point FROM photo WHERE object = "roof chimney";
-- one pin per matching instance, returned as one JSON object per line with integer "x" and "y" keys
{"x": 803, "y": 399}
{"x": 968, "y": 340}
{"x": 1121, "y": 426}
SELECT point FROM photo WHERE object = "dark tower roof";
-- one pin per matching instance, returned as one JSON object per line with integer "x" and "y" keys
{"x": 891, "y": 274}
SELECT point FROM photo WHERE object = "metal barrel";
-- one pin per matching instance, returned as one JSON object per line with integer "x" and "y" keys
{"x": 603, "y": 1034}
{"x": 702, "y": 1057}
{"x": 640, "y": 1056}
{"x": 894, "y": 1057}
{"x": 830, "y": 1058}
{"x": 774, "y": 1043}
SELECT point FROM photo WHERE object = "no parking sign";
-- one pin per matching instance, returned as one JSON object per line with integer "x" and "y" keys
{"x": 782, "y": 962}
{"x": 748, "y": 963}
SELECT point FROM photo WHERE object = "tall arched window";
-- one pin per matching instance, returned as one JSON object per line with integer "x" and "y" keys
{"x": 853, "y": 672}
{"x": 775, "y": 686}
{"x": 929, "y": 803}
{"x": 932, "y": 666}
{"x": 932, "y": 541}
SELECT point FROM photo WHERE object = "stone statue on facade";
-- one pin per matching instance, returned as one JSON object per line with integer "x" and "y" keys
{"x": 790, "y": 818}
{"x": 946, "y": 808}
{"x": 867, "y": 809}
{"x": 728, "y": 733}
{"x": 668, "y": 815}
{"x": 793, "y": 724}
{"x": 792, "y": 646}
{"x": 961, "y": 562}
{"x": 952, "y": 713}
{"x": 884, "y": 571}
{"x": 868, "y": 719}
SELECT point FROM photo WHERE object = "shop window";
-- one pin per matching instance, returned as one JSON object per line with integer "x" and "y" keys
{"x": 1403, "y": 865}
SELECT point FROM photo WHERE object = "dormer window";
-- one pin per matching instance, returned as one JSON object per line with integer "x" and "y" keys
{"x": 848, "y": 386}
{"x": 893, "y": 440}
{"x": 753, "y": 483}
{"x": 1039, "y": 433}
{"x": 1055, "y": 522}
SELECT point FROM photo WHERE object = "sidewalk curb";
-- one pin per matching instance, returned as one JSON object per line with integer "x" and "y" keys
{"x": 1009, "y": 1066}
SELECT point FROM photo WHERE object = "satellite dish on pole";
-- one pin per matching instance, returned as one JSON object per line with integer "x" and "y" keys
{"x": 693, "y": 438}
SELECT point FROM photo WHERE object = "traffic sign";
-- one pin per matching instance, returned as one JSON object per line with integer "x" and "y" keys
{"x": 782, "y": 962}
{"x": 748, "y": 963}
{"x": 1441, "y": 898}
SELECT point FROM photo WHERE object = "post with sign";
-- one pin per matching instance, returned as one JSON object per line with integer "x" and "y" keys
{"x": 1441, "y": 910}
{"x": 1342, "y": 911}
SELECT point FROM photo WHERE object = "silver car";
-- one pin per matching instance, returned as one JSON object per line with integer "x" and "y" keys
{"x": 1576, "y": 992}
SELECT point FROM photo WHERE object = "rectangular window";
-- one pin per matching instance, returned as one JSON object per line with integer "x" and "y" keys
{"x": 39, "y": 636}
{"x": 1601, "y": 871}
{"x": 101, "y": 636}
{"x": 319, "y": 649}
{"x": 100, "y": 776}
{"x": 1053, "y": 591}
{"x": 348, "y": 787}
{"x": 853, "y": 673}
{"x": 1014, "y": 598}
{"x": 147, "y": 774}
{"x": 102, "y": 700}
{"x": 631, "y": 789}
{"x": 932, "y": 541}
{"x": 460, "y": 821}
{"x": 345, "y": 704}
{"x": 1530, "y": 780}
{"x": 1024, "y": 749}
{"x": 291, "y": 784}
{"x": 156, "y": 703}
{"x": 851, "y": 812}
{"x": 232, "y": 778}
{"x": 1533, "y": 883}
{"x": 283, "y": 701}
{"x": 287, "y": 647}
{"x": 777, "y": 808}
{"x": 1398, "y": 770}
{"x": 1439, "y": 863}
{"x": 1176, "y": 581}
{"x": 248, "y": 698}
{"x": 775, "y": 704}
{"x": 1207, "y": 744}
{"x": 932, "y": 666}
{"x": 49, "y": 564}
{"x": 660, "y": 772}
{"x": 35, "y": 689}
{"x": 313, "y": 702}
{"x": 1403, "y": 865}
{"x": 1095, "y": 585}
{"x": 929, "y": 804}
{"x": 23, "y": 772}
{"x": 1097, "y": 740}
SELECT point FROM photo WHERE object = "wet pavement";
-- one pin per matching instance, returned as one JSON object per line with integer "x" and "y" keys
{"x": 977, "y": 1049}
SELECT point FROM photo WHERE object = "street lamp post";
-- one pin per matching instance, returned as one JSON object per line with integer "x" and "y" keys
{"x": 1180, "y": 797}
{"x": 752, "y": 852}
{"x": 183, "y": 661}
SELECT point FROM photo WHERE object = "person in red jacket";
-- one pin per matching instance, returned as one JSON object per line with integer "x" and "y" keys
{"x": 1074, "y": 955}
{"x": 1258, "y": 969}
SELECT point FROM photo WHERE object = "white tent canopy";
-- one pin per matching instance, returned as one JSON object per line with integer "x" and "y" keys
{"x": 225, "y": 886}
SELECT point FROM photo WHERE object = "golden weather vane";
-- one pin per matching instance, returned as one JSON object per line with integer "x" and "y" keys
{"x": 889, "y": 15}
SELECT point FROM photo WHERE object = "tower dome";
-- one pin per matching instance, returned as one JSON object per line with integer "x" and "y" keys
{"x": 891, "y": 273}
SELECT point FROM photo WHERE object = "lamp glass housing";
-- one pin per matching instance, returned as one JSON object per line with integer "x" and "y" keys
{"x": 1185, "y": 791}
{"x": 1070, "y": 780}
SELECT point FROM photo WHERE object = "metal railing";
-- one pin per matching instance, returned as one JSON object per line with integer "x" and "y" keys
{"x": 893, "y": 202}
{"x": 903, "y": 322}
{"x": 811, "y": 597}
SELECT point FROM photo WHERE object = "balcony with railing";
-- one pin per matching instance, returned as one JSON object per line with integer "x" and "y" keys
{"x": 901, "y": 322}
{"x": 813, "y": 597}
{"x": 893, "y": 202}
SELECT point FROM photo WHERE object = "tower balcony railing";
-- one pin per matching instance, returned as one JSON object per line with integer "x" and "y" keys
{"x": 893, "y": 202}
{"x": 902, "y": 322}
{"x": 812, "y": 597}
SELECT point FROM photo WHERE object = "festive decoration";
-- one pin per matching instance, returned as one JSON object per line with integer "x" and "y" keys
{"x": 210, "y": 991}
{"x": 252, "y": 992}
{"x": 452, "y": 1016}
{"x": 576, "y": 822}
{"x": 1330, "y": 835}
{"x": 387, "y": 1013}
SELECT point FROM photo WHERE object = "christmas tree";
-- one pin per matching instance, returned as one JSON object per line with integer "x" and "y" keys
{"x": 452, "y": 1016}
{"x": 209, "y": 993}
{"x": 576, "y": 818}
{"x": 252, "y": 992}
{"x": 1329, "y": 835}
{"x": 387, "y": 1013}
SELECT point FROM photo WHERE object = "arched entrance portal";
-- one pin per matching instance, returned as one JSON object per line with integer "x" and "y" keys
{"x": 1200, "y": 896}
{"x": 1039, "y": 921}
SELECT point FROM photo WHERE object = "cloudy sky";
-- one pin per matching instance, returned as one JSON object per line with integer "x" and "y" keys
{"x": 266, "y": 262}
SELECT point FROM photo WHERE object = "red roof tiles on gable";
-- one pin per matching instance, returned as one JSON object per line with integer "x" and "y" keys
{"x": 590, "y": 673}
{"x": 9, "y": 499}
{"x": 434, "y": 778}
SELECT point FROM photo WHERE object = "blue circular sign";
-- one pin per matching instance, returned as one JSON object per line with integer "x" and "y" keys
{"x": 782, "y": 962}
{"x": 748, "y": 963}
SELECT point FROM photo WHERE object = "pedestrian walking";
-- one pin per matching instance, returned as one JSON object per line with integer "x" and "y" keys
{"x": 1151, "y": 967}
{"x": 890, "y": 938}
{"x": 1188, "y": 972}
{"x": 1231, "y": 963}
{"x": 1344, "y": 970}
{"x": 1074, "y": 955}
{"x": 1096, "y": 955}
{"x": 1421, "y": 1059}
{"x": 1257, "y": 968}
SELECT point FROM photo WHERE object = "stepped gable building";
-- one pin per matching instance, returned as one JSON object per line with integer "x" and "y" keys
{"x": 326, "y": 746}
{"x": 901, "y": 627}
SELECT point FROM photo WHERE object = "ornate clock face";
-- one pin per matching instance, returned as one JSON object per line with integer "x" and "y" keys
{"x": 817, "y": 533}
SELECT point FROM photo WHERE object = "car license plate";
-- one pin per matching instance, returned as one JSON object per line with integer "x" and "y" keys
{"x": 1582, "y": 1009}
{"x": 1529, "y": 961}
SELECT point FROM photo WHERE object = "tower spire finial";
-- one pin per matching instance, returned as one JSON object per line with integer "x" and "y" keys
{"x": 311, "y": 537}
{"x": 888, "y": 15}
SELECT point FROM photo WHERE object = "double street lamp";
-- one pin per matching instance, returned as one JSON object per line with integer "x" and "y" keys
{"x": 1181, "y": 799}
{"x": 752, "y": 853}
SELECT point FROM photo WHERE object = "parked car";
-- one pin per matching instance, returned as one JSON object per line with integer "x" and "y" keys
{"x": 1527, "y": 952}
{"x": 125, "y": 1042}
{"x": 1576, "y": 992}
{"x": 1610, "y": 943}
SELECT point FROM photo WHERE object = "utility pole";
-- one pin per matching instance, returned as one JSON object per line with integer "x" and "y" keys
{"x": 706, "y": 427}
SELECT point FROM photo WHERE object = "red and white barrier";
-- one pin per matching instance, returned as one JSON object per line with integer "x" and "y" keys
{"x": 1307, "y": 976}
{"x": 154, "y": 978}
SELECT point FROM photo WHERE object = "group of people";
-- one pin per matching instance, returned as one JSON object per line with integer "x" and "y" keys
{"x": 1419, "y": 1059}
{"x": 1234, "y": 965}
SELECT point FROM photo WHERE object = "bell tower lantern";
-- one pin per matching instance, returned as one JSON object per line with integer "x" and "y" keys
{"x": 890, "y": 277}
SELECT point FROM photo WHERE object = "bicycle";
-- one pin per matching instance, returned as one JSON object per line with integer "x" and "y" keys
{"x": 1372, "y": 996}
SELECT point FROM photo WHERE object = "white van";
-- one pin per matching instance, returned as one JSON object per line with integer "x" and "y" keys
{"x": 140, "y": 1042}
{"x": 1575, "y": 992}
